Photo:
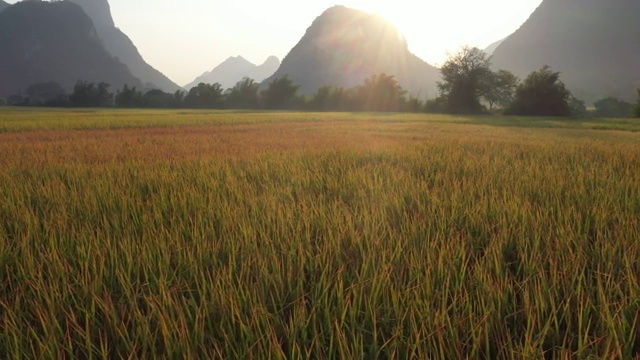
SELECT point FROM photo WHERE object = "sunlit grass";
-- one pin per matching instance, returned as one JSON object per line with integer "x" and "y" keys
{"x": 318, "y": 236}
{"x": 25, "y": 119}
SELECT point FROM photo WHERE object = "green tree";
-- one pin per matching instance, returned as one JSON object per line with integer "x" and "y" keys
{"x": 612, "y": 107}
{"x": 321, "y": 99}
{"x": 438, "y": 105}
{"x": 342, "y": 99}
{"x": 129, "y": 98}
{"x": 86, "y": 94}
{"x": 45, "y": 93}
{"x": 541, "y": 94}
{"x": 244, "y": 95}
{"x": 205, "y": 96}
{"x": 280, "y": 93}
{"x": 498, "y": 88}
{"x": 413, "y": 105}
{"x": 381, "y": 93}
{"x": 464, "y": 80}
{"x": 178, "y": 98}
{"x": 636, "y": 111}
{"x": 577, "y": 107}
{"x": 158, "y": 99}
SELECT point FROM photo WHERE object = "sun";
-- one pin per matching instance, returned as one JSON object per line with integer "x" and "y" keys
{"x": 420, "y": 25}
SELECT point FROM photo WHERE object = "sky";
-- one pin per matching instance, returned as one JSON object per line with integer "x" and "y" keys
{"x": 184, "y": 38}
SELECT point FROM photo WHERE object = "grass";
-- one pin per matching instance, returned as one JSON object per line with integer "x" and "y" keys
{"x": 29, "y": 119}
{"x": 282, "y": 235}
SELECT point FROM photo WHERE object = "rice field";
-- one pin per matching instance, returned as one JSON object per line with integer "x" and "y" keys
{"x": 238, "y": 235}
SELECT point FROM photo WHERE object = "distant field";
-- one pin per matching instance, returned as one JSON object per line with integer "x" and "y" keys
{"x": 186, "y": 234}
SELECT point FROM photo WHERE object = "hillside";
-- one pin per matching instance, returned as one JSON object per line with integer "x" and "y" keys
{"x": 4, "y": 5}
{"x": 235, "y": 69}
{"x": 593, "y": 43}
{"x": 119, "y": 45}
{"x": 493, "y": 46}
{"x": 344, "y": 46}
{"x": 57, "y": 41}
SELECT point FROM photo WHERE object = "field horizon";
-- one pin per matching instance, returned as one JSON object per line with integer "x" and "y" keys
{"x": 227, "y": 234}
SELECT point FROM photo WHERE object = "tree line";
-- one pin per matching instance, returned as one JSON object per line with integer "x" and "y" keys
{"x": 468, "y": 86}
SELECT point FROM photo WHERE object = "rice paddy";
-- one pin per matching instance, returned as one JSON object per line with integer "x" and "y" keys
{"x": 183, "y": 234}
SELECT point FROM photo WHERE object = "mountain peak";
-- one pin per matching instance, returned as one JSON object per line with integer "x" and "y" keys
{"x": 271, "y": 60}
{"x": 344, "y": 46}
{"x": 593, "y": 44}
{"x": 119, "y": 45}
{"x": 54, "y": 41}
{"x": 98, "y": 10}
{"x": 234, "y": 69}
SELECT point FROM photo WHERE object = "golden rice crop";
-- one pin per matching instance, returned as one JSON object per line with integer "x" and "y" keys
{"x": 283, "y": 235}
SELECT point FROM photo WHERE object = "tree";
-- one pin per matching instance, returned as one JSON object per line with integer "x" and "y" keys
{"x": 280, "y": 94}
{"x": 330, "y": 98}
{"x": 45, "y": 92}
{"x": 541, "y": 94}
{"x": 205, "y": 96}
{"x": 159, "y": 99}
{"x": 381, "y": 93}
{"x": 498, "y": 88}
{"x": 437, "y": 105}
{"x": 464, "y": 78}
{"x": 244, "y": 95}
{"x": 178, "y": 98}
{"x": 87, "y": 94}
{"x": 413, "y": 105}
{"x": 636, "y": 111}
{"x": 321, "y": 99}
{"x": 129, "y": 97}
{"x": 577, "y": 107}
{"x": 612, "y": 107}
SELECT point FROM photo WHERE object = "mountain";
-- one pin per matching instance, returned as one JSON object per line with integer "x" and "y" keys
{"x": 4, "y": 5}
{"x": 344, "y": 46}
{"x": 120, "y": 46}
{"x": 593, "y": 43}
{"x": 55, "y": 41}
{"x": 235, "y": 69}
{"x": 492, "y": 48}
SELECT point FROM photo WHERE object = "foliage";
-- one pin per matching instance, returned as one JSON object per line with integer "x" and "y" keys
{"x": 381, "y": 93}
{"x": 208, "y": 96}
{"x": 340, "y": 236}
{"x": 158, "y": 99}
{"x": 498, "y": 88}
{"x": 438, "y": 105}
{"x": 244, "y": 95}
{"x": 45, "y": 93}
{"x": 86, "y": 94}
{"x": 541, "y": 94}
{"x": 612, "y": 107}
{"x": 129, "y": 98}
{"x": 464, "y": 77}
{"x": 413, "y": 105}
{"x": 3, "y": 102}
{"x": 577, "y": 107}
{"x": 330, "y": 98}
{"x": 280, "y": 93}
{"x": 636, "y": 111}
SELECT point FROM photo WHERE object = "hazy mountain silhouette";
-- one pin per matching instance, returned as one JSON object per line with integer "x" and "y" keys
{"x": 120, "y": 46}
{"x": 56, "y": 41}
{"x": 344, "y": 46}
{"x": 235, "y": 69}
{"x": 593, "y": 43}
{"x": 492, "y": 48}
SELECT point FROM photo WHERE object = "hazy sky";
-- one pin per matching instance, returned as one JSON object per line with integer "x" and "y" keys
{"x": 184, "y": 38}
